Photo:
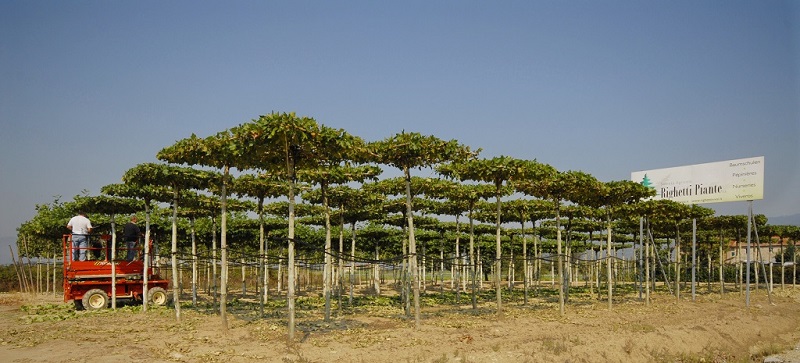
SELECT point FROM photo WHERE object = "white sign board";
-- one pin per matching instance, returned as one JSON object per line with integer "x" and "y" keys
{"x": 723, "y": 181}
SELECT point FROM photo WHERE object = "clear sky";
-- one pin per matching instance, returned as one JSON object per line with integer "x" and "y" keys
{"x": 89, "y": 89}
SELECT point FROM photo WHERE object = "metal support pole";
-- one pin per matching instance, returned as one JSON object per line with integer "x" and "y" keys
{"x": 641, "y": 254}
{"x": 694, "y": 257}
{"x": 747, "y": 272}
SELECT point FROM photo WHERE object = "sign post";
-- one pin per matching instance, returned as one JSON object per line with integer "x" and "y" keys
{"x": 717, "y": 182}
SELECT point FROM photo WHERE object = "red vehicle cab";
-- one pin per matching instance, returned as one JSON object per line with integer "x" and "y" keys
{"x": 89, "y": 283}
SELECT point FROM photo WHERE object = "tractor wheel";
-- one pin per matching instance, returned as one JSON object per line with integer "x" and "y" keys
{"x": 95, "y": 299}
{"x": 157, "y": 296}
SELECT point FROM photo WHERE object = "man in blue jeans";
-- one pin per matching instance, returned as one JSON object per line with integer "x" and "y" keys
{"x": 131, "y": 234}
{"x": 80, "y": 227}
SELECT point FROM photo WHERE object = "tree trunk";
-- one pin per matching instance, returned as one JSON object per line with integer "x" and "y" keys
{"x": 412, "y": 247}
{"x": 113, "y": 261}
{"x": 721, "y": 263}
{"x": 292, "y": 278}
{"x": 472, "y": 260}
{"x": 498, "y": 256}
{"x": 326, "y": 278}
{"x": 55, "y": 254}
{"x": 352, "y": 262}
{"x": 561, "y": 308}
{"x": 610, "y": 260}
{"x": 456, "y": 268}
{"x": 280, "y": 272}
{"x": 525, "y": 276}
{"x": 376, "y": 271}
{"x": 16, "y": 269}
{"x": 194, "y": 262}
{"x": 340, "y": 287}
{"x": 146, "y": 272}
{"x": 405, "y": 289}
{"x": 263, "y": 262}
{"x": 441, "y": 269}
{"x": 783, "y": 268}
{"x": 174, "y": 257}
{"x": 244, "y": 277}
{"x": 215, "y": 289}
{"x": 647, "y": 268}
{"x": 223, "y": 244}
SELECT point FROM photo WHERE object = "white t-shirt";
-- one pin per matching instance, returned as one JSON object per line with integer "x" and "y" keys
{"x": 79, "y": 225}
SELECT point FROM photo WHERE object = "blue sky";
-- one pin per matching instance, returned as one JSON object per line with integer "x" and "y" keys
{"x": 89, "y": 89}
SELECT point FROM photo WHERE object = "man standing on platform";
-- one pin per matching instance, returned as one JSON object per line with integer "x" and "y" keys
{"x": 80, "y": 227}
{"x": 131, "y": 234}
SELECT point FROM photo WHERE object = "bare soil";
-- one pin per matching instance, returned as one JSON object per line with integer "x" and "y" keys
{"x": 714, "y": 328}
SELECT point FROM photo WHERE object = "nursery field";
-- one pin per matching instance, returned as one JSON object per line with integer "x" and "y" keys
{"x": 714, "y": 328}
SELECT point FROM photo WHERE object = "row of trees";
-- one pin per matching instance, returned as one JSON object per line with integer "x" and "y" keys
{"x": 281, "y": 155}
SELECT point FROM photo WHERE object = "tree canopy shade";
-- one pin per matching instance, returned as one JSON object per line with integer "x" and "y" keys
{"x": 407, "y": 151}
{"x": 557, "y": 186}
{"x": 46, "y": 226}
{"x": 282, "y": 144}
{"x": 283, "y": 154}
{"x": 468, "y": 196}
{"x": 219, "y": 151}
{"x": 613, "y": 196}
{"x": 497, "y": 171}
{"x": 177, "y": 179}
{"x": 332, "y": 174}
{"x": 139, "y": 188}
{"x": 261, "y": 187}
{"x": 110, "y": 205}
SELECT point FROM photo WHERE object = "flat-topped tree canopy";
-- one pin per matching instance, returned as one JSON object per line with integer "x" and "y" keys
{"x": 397, "y": 186}
{"x": 376, "y": 235}
{"x": 282, "y": 144}
{"x": 346, "y": 197}
{"x": 339, "y": 174}
{"x": 556, "y": 186}
{"x": 259, "y": 186}
{"x": 174, "y": 177}
{"x": 340, "y": 196}
{"x": 217, "y": 151}
{"x": 541, "y": 209}
{"x": 414, "y": 150}
{"x": 497, "y": 170}
{"x": 274, "y": 141}
{"x": 108, "y": 204}
{"x": 353, "y": 204}
{"x": 46, "y": 226}
{"x": 144, "y": 192}
{"x": 281, "y": 208}
{"x": 470, "y": 194}
{"x": 614, "y": 194}
{"x": 196, "y": 204}
{"x": 398, "y": 220}
{"x": 517, "y": 210}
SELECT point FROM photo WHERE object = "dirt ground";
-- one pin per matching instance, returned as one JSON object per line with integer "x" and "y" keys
{"x": 713, "y": 328}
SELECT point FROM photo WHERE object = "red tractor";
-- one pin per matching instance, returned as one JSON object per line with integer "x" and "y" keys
{"x": 88, "y": 283}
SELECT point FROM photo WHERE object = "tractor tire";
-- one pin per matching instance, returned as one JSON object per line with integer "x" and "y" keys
{"x": 95, "y": 299}
{"x": 157, "y": 296}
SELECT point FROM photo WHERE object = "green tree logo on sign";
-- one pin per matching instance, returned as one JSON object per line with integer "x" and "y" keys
{"x": 646, "y": 182}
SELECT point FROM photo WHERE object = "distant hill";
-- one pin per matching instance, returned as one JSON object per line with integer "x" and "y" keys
{"x": 792, "y": 220}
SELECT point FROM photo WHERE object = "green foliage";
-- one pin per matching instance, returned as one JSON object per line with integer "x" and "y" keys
{"x": 414, "y": 150}
{"x": 48, "y": 312}
{"x": 174, "y": 177}
{"x": 287, "y": 151}
{"x": 8, "y": 279}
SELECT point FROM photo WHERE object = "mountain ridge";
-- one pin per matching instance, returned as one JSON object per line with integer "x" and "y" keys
{"x": 788, "y": 220}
